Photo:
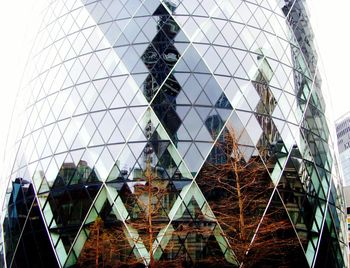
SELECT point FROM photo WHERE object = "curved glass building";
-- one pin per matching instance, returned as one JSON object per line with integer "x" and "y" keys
{"x": 180, "y": 133}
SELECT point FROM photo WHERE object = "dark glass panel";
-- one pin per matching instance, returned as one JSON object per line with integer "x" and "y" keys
{"x": 70, "y": 199}
{"x": 230, "y": 183}
{"x": 34, "y": 249}
{"x": 161, "y": 55}
{"x": 20, "y": 201}
{"x": 296, "y": 190}
{"x": 277, "y": 232}
{"x": 107, "y": 234}
{"x": 192, "y": 242}
{"x": 329, "y": 253}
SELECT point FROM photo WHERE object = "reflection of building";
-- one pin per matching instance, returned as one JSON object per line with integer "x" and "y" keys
{"x": 24, "y": 215}
{"x": 266, "y": 107}
{"x": 71, "y": 174}
{"x": 129, "y": 100}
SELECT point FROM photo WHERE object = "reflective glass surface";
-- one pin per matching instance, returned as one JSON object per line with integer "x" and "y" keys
{"x": 145, "y": 117}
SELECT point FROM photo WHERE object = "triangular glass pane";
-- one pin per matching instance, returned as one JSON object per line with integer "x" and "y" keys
{"x": 69, "y": 208}
{"x": 287, "y": 243}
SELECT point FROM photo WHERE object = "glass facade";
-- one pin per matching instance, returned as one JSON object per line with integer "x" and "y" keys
{"x": 185, "y": 133}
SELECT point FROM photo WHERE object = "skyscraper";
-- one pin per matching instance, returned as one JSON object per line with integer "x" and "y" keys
{"x": 185, "y": 133}
{"x": 343, "y": 138}
{"x": 342, "y": 128}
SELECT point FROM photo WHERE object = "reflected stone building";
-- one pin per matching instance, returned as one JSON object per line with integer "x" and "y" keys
{"x": 135, "y": 106}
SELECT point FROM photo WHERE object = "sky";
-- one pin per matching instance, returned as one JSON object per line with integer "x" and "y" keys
{"x": 19, "y": 23}
{"x": 331, "y": 23}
